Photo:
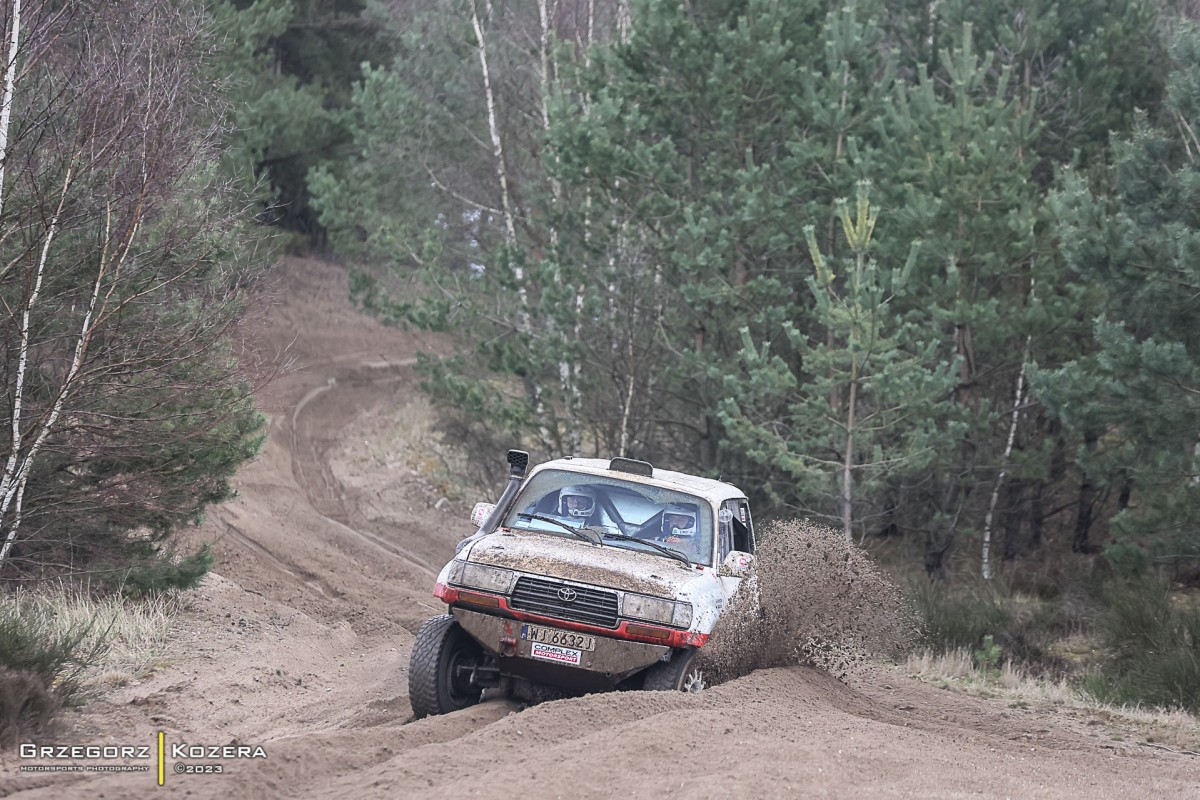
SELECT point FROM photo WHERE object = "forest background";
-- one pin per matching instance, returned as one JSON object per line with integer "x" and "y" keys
{"x": 927, "y": 272}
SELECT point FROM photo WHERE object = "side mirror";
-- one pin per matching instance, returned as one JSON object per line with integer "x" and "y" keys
{"x": 481, "y": 512}
{"x": 737, "y": 564}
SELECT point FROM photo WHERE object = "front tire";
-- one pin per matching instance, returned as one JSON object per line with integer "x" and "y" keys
{"x": 440, "y": 668}
{"x": 680, "y": 674}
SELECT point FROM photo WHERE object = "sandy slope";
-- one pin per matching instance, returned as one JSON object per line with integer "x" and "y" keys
{"x": 300, "y": 644}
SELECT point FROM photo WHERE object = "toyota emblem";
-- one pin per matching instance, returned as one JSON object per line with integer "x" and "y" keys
{"x": 567, "y": 594}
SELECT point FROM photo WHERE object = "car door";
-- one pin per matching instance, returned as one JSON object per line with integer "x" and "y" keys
{"x": 728, "y": 541}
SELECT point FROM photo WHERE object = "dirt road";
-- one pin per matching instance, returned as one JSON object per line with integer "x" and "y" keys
{"x": 299, "y": 644}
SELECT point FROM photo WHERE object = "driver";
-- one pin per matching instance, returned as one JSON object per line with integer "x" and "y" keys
{"x": 679, "y": 523}
{"x": 576, "y": 502}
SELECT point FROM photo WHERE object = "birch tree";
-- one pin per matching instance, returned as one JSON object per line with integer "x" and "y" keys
{"x": 475, "y": 208}
{"x": 121, "y": 271}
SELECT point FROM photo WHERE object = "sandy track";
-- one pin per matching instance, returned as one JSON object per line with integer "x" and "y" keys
{"x": 300, "y": 643}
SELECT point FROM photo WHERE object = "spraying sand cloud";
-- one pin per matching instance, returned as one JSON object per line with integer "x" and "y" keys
{"x": 820, "y": 602}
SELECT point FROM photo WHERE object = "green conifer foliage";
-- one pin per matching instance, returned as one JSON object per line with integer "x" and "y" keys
{"x": 872, "y": 402}
{"x": 289, "y": 69}
{"x": 700, "y": 143}
{"x": 1135, "y": 399}
{"x": 658, "y": 178}
{"x": 1082, "y": 66}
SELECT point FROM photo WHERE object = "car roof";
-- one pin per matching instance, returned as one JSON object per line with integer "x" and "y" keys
{"x": 711, "y": 490}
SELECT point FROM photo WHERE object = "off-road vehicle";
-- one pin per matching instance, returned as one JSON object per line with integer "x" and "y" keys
{"x": 586, "y": 575}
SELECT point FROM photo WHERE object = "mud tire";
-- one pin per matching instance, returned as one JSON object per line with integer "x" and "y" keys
{"x": 435, "y": 685}
{"x": 681, "y": 674}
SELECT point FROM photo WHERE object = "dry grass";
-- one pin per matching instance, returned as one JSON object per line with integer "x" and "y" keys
{"x": 124, "y": 639}
{"x": 1171, "y": 729}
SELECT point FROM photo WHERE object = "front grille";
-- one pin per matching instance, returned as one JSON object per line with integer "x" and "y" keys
{"x": 593, "y": 606}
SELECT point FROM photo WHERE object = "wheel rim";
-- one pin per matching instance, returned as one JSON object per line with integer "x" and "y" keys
{"x": 461, "y": 663}
{"x": 693, "y": 681}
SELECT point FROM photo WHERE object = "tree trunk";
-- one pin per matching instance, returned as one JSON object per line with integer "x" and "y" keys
{"x": 1087, "y": 499}
{"x": 1126, "y": 493}
{"x": 848, "y": 464}
{"x": 708, "y": 456}
{"x": 1014, "y": 424}
{"x": 937, "y": 544}
{"x": 1037, "y": 514}
{"x": 1054, "y": 477}
{"x": 10, "y": 78}
{"x": 1013, "y": 513}
{"x": 510, "y": 227}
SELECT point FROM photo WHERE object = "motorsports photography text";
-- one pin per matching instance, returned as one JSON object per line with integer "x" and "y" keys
{"x": 157, "y": 759}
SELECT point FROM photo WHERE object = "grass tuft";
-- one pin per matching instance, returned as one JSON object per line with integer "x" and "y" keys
{"x": 1154, "y": 645}
{"x": 59, "y": 646}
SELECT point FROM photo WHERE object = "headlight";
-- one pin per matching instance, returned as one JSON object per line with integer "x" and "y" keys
{"x": 683, "y": 615}
{"x": 454, "y": 575}
{"x": 656, "y": 609}
{"x": 489, "y": 579}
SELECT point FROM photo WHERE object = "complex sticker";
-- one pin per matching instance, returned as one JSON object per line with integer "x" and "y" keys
{"x": 559, "y": 655}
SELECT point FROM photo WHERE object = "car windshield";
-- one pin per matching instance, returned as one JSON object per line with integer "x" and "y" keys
{"x": 648, "y": 515}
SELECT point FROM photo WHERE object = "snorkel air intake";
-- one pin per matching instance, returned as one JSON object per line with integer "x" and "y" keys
{"x": 518, "y": 463}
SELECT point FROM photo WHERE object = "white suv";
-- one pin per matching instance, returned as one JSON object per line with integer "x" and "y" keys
{"x": 586, "y": 575}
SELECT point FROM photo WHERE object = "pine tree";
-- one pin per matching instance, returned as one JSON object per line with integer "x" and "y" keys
{"x": 871, "y": 399}
{"x": 657, "y": 183}
{"x": 289, "y": 68}
{"x": 1133, "y": 402}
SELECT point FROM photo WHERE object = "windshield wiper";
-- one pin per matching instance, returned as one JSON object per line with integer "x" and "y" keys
{"x": 559, "y": 523}
{"x": 667, "y": 551}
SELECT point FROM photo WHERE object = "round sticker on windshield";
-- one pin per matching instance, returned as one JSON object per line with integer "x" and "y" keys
{"x": 726, "y": 516}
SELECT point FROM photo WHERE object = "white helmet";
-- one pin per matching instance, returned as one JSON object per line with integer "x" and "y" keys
{"x": 576, "y": 501}
{"x": 679, "y": 519}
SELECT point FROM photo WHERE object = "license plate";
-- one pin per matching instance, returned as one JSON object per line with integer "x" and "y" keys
{"x": 553, "y": 636}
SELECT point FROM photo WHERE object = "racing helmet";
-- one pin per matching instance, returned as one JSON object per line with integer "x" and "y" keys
{"x": 679, "y": 519}
{"x": 576, "y": 501}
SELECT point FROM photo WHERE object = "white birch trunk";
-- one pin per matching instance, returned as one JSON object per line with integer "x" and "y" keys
{"x": 510, "y": 225}
{"x": 10, "y": 79}
{"x": 17, "y": 467}
{"x": 628, "y": 404}
{"x": 81, "y": 346}
{"x": 986, "y": 551}
{"x": 624, "y": 21}
{"x": 591, "y": 33}
{"x": 14, "y": 483}
{"x": 1012, "y": 433}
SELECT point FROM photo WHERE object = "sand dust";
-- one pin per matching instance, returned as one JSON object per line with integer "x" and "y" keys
{"x": 816, "y": 600}
{"x": 300, "y": 641}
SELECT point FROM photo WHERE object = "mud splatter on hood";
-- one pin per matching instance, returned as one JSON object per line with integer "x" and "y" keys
{"x": 572, "y": 560}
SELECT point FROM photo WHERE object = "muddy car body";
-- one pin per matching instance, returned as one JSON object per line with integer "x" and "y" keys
{"x": 586, "y": 575}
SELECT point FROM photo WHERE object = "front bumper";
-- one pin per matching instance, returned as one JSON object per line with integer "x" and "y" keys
{"x": 612, "y": 661}
{"x": 626, "y": 630}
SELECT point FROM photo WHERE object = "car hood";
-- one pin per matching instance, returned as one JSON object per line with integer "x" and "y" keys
{"x": 575, "y": 560}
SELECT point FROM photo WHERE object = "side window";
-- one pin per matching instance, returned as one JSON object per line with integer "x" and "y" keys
{"x": 744, "y": 526}
{"x": 727, "y": 527}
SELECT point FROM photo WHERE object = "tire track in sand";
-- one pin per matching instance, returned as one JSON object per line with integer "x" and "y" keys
{"x": 309, "y": 467}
